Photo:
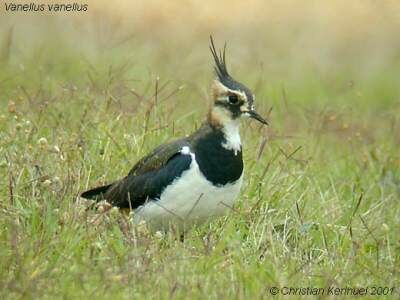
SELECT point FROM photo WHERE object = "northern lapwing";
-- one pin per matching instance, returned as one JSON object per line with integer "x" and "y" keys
{"x": 191, "y": 179}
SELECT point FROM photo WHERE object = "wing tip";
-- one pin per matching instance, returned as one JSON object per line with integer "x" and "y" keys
{"x": 96, "y": 193}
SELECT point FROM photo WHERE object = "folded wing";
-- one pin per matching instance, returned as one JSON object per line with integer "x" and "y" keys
{"x": 147, "y": 179}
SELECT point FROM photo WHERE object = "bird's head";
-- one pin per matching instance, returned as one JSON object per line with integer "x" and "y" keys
{"x": 232, "y": 99}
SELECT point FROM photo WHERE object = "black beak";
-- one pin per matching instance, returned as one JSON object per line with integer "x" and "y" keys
{"x": 253, "y": 114}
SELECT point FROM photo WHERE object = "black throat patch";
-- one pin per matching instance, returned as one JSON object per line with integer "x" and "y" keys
{"x": 219, "y": 165}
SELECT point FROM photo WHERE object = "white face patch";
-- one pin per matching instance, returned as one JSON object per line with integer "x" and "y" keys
{"x": 244, "y": 109}
{"x": 232, "y": 136}
{"x": 185, "y": 150}
{"x": 230, "y": 128}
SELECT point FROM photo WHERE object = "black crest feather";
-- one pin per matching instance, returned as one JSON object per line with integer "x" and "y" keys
{"x": 220, "y": 62}
{"x": 223, "y": 75}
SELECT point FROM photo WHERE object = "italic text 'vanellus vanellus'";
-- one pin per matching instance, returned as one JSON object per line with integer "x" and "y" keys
{"x": 191, "y": 179}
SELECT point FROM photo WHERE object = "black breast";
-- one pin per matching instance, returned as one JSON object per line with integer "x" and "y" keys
{"x": 219, "y": 165}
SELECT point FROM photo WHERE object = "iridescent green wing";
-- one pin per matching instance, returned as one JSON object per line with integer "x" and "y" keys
{"x": 158, "y": 157}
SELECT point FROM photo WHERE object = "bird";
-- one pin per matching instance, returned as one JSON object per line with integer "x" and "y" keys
{"x": 196, "y": 178}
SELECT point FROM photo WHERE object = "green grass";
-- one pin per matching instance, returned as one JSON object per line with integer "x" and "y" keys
{"x": 319, "y": 206}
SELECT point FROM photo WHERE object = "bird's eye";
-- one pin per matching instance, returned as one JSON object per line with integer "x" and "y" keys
{"x": 233, "y": 99}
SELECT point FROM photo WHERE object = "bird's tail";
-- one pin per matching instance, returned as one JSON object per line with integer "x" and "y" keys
{"x": 96, "y": 193}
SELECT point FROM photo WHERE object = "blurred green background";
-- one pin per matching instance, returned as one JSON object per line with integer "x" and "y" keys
{"x": 85, "y": 95}
{"x": 323, "y": 54}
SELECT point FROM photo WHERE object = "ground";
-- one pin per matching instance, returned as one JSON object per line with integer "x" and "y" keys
{"x": 319, "y": 207}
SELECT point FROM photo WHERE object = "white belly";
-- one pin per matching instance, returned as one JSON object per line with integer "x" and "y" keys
{"x": 189, "y": 199}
